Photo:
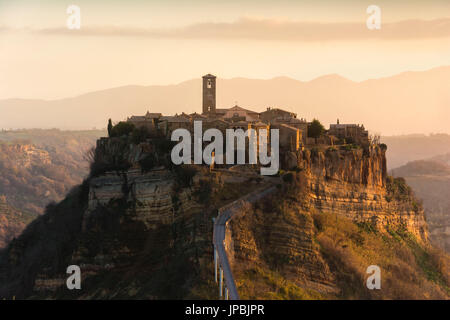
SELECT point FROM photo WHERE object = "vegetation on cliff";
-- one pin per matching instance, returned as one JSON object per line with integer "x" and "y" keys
{"x": 120, "y": 256}
{"x": 12, "y": 221}
{"x": 286, "y": 249}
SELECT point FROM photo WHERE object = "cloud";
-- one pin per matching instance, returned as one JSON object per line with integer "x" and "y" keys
{"x": 271, "y": 29}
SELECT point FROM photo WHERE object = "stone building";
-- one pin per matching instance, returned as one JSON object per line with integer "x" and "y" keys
{"x": 352, "y": 133}
{"x": 149, "y": 120}
{"x": 293, "y": 131}
{"x": 237, "y": 113}
{"x": 167, "y": 124}
{"x": 274, "y": 113}
{"x": 290, "y": 137}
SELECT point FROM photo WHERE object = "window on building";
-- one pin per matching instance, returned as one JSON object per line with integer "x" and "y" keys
{"x": 209, "y": 84}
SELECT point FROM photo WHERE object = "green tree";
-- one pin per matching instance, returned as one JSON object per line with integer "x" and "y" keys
{"x": 122, "y": 129}
{"x": 315, "y": 129}
{"x": 110, "y": 126}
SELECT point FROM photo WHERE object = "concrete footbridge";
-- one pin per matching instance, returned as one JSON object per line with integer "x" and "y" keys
{"x": 221, "y": 261}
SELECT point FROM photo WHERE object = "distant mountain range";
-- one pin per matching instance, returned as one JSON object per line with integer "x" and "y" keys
{"x": 410, "y": 102}
{"x": 405, "y": 148}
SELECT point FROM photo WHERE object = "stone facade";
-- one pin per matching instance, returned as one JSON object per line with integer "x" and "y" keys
{"x": 293, "y": 130}
{"x": 352, "y": 133}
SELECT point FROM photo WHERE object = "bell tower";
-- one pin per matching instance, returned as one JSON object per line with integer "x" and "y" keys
{"x": 209, "y": 94}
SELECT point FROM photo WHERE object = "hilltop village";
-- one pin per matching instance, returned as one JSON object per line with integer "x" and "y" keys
{"x": 140, "y": 226}
{"x": 294, "y": 133}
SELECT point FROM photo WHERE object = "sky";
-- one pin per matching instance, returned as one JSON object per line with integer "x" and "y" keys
{"x": 166, "y": 42}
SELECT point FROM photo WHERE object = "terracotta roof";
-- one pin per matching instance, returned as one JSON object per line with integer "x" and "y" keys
{"x": 198, "y": 115}
{"x": 259, "y": 124}
{"x": 216, "y": 120}
{"x": 339, "y": 126}
{"x": 153, "y": 115}
{"x": 237, "y": 108}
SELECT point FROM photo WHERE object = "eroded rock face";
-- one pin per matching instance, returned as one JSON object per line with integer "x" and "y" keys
{"x": 366, "y": 204}
{"x": 264, "y": 238}
{"x": 150, "y": 191}
{"x": 351, "y": 184}
{"x": 151, "y": 194}
{"x": 359, "y": 166}
{"x": 27, "y": 154}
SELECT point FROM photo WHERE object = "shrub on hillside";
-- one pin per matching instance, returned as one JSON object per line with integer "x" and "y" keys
{"x": 398, "y": 189}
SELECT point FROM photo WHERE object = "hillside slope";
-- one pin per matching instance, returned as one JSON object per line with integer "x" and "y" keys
{"x": 38, "y": 167}
{"x": 41, "y": 166}
{"x": 12, "y": 222}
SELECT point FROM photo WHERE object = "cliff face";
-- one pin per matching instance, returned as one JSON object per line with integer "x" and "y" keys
{"x": 354, "y": 184}
{"x": 282, "y": 248}
{"x": 151, "y": 193}
{"x": 140, "y": 228}
{"x": 135, "y": 228}
{"x": 154, "y": 193}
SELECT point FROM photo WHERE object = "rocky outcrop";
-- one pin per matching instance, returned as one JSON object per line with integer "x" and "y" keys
{"x": 353, "y": 183}
{"x": 152, "y": 195}
{"x": 28, "y": 154}
{"x": 361, "y": 166}
{"x": 138, "y": 228}
{"x": 348, "y": 183}
{"x": 152, "y": 189}
{"x": 263, "y": 238}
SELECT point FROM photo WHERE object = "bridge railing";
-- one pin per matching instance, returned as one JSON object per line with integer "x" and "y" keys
{"x": 221, "y": 261}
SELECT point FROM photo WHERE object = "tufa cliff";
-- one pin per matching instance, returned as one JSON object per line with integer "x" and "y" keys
{"x": 336, "y": 214}
{"x": 141, "y": 228}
